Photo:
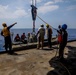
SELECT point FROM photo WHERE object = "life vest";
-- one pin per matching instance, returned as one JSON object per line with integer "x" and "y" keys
{"x": 6, "y": 32}
{"x": 59, "y": 38}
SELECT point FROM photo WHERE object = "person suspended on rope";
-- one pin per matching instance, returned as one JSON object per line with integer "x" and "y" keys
{"x": 49, "y": 35}
{"x": 33, "y": 12}
{"x": 41, "y": 34}
{"x": 64, "y": 42}
{"x": 7, "y": 36}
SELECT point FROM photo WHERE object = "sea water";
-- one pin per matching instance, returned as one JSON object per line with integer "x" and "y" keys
{"x": 71, "y": 34}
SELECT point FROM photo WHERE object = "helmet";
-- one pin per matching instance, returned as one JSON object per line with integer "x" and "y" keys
{"x": 4, "y": 24}
{"x": 42, "y": 25}
{"x": 64, "y": 26}
{"x": 47, "y": 25}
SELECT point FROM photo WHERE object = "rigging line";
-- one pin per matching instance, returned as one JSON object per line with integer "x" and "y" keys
{"x": 46, "y": 22}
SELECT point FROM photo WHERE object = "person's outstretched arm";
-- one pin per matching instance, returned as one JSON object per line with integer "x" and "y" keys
{"x": 12, "y": 25}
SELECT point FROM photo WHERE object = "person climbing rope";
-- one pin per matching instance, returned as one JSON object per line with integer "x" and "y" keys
{"x": 34, "y": 12}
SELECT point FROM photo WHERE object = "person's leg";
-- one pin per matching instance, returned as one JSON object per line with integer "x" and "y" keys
{"x": 10, "y": 45}
{"x": 6, "y": 44}
{"x": 49, "y": 42}
{"x": 38, "y": 46}
{"x": 61, "y": 51}
{"x": 42, "y": 41}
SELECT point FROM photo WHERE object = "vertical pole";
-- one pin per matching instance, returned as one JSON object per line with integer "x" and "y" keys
{"x": 35, "y": 2}
{"x": 34, "y": 26}
{"x": 32, "y": 2}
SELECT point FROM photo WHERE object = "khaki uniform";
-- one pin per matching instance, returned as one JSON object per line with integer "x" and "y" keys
{"x": 41, "y": 34}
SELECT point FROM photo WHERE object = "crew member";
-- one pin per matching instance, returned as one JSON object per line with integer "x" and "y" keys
{"x": 49, "y": 35}
{"x": 64, "y": 41}
{"x": 6, "y": 33}
{"x": 41, "y": 34}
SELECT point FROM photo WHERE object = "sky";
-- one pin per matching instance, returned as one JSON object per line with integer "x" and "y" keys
{"x": 53, "y": 12}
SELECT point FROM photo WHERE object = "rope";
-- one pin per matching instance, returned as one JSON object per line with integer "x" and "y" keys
{"x": 62, "y": 64}
{"x": 56, "y": 51}
{"x": 65, "y": 68}
{"x": 46, "y": 22}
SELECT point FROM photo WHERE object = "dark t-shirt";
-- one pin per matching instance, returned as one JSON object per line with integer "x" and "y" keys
{"x": 49, "y": 33}
{"x": 65, "y": 36}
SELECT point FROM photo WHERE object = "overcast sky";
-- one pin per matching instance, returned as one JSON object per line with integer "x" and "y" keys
{"x": 54, "y": 12}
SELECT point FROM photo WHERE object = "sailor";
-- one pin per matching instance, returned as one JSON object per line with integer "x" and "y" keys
{"x": 41, "y": 34}
{"x": 63, "y": 42}
{"x": 6, "y": 33}
{"x": 49, "y": 35}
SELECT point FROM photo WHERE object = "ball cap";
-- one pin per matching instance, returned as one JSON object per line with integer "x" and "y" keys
{"x": 4, "y": 24}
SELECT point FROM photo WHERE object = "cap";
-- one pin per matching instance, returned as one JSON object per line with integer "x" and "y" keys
{"x": 4, "y": 24}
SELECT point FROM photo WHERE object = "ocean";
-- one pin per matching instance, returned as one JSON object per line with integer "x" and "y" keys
{"x": 71, "y": 34}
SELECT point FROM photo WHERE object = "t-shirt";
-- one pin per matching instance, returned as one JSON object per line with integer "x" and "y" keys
{"x": 41, "y": 31}
{"x": 49, "y": 32}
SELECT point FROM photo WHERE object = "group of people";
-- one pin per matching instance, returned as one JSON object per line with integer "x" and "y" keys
{"x": 41, "y": 34}
{"x": 22, "y": 38}
{"x": 62, "y": 37}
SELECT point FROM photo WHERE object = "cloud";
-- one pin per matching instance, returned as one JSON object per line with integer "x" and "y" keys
{"x": 56, "y": 1}
{"x": 6, "y": 12}
{"x": 39, "y": 1}
{"x": 50, "y": 2}
{"x": 47, "y": 8}
{"x": 72, "y": 7}
{"x": 19, "y": 13}
{"x": 53, "y": 2}
{"x": 3, "y": 8}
